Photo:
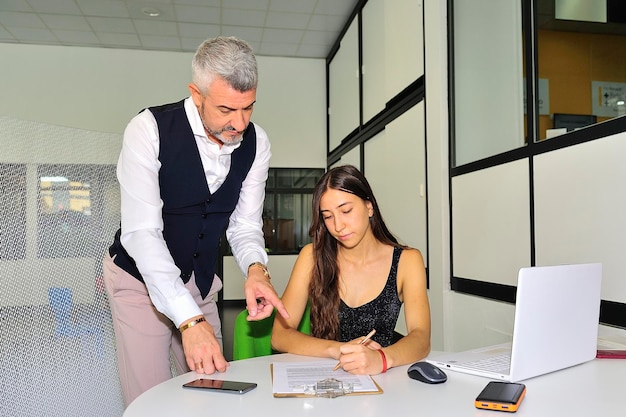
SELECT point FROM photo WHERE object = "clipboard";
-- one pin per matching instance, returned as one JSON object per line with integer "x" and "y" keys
{"x": 371, "y": 387}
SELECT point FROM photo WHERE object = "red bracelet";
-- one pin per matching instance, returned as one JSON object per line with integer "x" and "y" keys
{"x": 384, "y": 358}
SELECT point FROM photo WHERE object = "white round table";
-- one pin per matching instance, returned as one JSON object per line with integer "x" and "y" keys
{"x": 595, "y": 388}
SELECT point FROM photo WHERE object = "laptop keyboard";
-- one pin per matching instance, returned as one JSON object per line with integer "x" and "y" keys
{"x": 499, "y": 364}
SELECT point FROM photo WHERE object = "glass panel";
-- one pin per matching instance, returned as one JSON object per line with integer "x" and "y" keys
{"x": 581, "y": 50}
{"x": 293, "y": 221}
{"x": 343, "y": 95}
{"x": 306, "y": 217}
{"x": 12, "y": 211}
{"x": 295, "y": 178}
{"x": 391, "y": 29}
{"x": 268, "y": 221}
{"x": 271, "y": 181}
{"x": 66, "y": 213}
{"x": 488, "y": 78}
{"x": 285, "y": 222}
{"x": 287, "y": 209}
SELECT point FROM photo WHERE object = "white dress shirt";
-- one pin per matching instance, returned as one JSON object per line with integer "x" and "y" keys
{"x": 141, "y": 204}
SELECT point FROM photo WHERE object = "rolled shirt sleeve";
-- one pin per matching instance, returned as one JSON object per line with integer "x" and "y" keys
{"x": 245, "y": 229}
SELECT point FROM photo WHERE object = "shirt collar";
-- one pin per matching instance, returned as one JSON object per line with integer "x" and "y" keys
{"x": 194, "y": 118}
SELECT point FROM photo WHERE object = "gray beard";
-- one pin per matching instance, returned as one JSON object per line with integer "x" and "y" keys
{"x": 218, "y": 135}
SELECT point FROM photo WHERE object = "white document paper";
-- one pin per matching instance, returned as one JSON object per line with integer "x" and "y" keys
{"x": 293, "y": 377}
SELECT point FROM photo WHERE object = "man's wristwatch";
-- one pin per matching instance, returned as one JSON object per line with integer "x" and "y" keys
{"x": 266, "y": 271}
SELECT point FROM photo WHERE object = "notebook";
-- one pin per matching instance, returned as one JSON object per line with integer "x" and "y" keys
{"x": 556, "y": 326}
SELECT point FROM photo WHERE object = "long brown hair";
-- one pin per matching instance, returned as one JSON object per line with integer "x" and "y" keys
{"x": 324, "y": 287}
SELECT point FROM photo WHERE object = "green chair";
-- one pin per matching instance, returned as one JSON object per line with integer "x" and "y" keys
{"x": 253, "y": 338}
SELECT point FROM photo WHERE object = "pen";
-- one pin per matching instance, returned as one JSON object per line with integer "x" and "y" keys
{"x": 365, "y": 339}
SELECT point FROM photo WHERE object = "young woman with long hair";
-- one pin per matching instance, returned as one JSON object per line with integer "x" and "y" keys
{"x": 355, "y": 276}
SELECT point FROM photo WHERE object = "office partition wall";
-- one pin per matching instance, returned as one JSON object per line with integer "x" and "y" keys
{"x": 491, "y": 224}
{"x": 387, "y": 140}
{"x": 60, "y": 208}
{"x": 547, "y": 201}
{"x": 579, "y": 209}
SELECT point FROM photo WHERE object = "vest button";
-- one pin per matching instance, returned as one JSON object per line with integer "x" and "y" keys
{"x": 195, "y": 255}
{"x": 201, "y": 235}
{"x": 204, "y": 216}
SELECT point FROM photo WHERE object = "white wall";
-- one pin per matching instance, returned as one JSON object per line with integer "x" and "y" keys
{"x": 88, "y": 88}
{"x": 100, "y": 90}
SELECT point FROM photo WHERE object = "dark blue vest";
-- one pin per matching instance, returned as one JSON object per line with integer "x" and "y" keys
{"x": 194, "y": 220}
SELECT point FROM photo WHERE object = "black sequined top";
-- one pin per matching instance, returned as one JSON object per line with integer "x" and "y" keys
{"x": 381, "y": 313}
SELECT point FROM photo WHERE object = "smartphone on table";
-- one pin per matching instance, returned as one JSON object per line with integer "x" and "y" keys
{"x": 501, "y": 396}
{"x": 234, "y": 387}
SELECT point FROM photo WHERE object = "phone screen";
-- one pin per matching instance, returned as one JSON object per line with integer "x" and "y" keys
{"x": 218, "y": 385}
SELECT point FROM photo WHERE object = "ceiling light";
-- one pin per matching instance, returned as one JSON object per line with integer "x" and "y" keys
{"x": 151, "y": 12}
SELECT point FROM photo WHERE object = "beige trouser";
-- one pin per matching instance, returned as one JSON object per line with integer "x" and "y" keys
{"x": 144, "y": 337}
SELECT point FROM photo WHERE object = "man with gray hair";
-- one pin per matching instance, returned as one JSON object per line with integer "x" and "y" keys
{"x": 188, "y": 172}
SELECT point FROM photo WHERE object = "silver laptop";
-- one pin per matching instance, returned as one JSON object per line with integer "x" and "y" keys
{"x": 556, "y": 326}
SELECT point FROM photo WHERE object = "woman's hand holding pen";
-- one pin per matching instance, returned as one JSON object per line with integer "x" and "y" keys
{"x": 360, "y": 356}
